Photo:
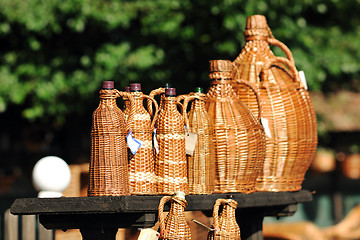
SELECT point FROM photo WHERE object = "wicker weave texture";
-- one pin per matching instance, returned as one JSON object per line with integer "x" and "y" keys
{"x": 238, "y": 136}
{"x": 108, "y": 167}
{"x": 225, "y": 224}
{"x": 174, "y": 226}
{"x": 170, "y": 161}
{"x": 285, "y": 103}
{"x": 142, "y": 165}
{"x": 201, "y": 165}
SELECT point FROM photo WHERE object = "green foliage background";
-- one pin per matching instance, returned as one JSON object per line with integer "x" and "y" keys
{"x": 55, "y": 53}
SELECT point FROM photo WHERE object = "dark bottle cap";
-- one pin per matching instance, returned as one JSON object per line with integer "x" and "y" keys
{"x": 127, "y": 89}
{"x": 167, "y": 85}
{"x": 199, "y": 90}
{"x": 170, "y": 92}
{"x": 108, "y": 84}
{"x": 135, "y": 87}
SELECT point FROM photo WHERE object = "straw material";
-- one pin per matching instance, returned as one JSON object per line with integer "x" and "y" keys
{"x": 174, "y": 226}
{"x": 108, "y": 167}
{"x": 226, "y": 227}
{"x": 238, "y": 136}
{"x": 285, "y": 104}
{"x": 153, "y": 93}
{"x": 170, "y": 161}
{"x": 201, "y": 165}
{"x": 142, "y": 164}
{"x": 126, "y": 109}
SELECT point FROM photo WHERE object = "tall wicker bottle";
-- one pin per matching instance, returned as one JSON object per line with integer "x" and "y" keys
{"x": 108, "y": 167}
{"x": 285, "y": 104}
{"x": 174, "y": 226}
{"x": 201, "y": 165}
{"x": 142, "y": 164}
{"x": 238, "y": 136}
{"x": 225, "y": 224}
{"x": 170, "y": 161}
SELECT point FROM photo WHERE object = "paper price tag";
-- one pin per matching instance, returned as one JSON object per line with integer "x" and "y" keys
{"x": 156, "y": 144}
{"x": 148, "y": 234}
{"x": 265, "y": 124}
{"x": 303, "y": 79}
{"x": 133, "y": 143}
{"x": 190, "y": 142}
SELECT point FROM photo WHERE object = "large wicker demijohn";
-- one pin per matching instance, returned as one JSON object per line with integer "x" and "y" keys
{"x": 225, "y": 225}
{"x": 142, "y": 164}
{"x": 291, "y": 144}
{"x": 109, "y": 164}
{"x": 174, "y": 226}
{"x": 238, "y": 135}
{"x": 201, "y": 164}
{"x": 170, "y": 161}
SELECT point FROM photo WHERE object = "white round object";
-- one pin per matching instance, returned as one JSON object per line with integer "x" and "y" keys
{"x": 51, "y": 174}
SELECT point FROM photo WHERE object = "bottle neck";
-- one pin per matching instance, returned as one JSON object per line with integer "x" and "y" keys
{"x": 108, "y": 97}
{"x": 169, "y": 103}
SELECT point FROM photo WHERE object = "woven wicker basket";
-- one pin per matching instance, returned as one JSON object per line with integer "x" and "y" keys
{"x": 201, "y": 165}
{"x": 285, "y": 104}
{"x": 238, "y": 136}
{"x": 174, "y": 226}
{"x": 142, "y": 165}
{"x": 225, "y": 226}
{"x": 109, "y": 167}
{"x": 170, "y": 161}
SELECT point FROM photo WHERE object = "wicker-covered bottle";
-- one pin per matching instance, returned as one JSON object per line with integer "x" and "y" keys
{"x": 286, "y": 105}
{"x": 170, "y": 161}
{"x": 201, "y": 165}
{"x": 109, "y": 165}
{"x": 225, "y": 225}
{"x": 174, "y": 226}
{"x": 142, "y": 165}
{"x": 238, "y": 135}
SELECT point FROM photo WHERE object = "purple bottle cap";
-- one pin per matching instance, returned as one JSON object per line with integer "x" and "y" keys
{"x": 127, "y": 89}
{"x": 108, "y": 84}
{"x": 135, "y": 87}
{"x": 170, "y": 92}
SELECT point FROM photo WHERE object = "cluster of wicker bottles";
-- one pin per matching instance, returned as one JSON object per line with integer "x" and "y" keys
{"x": 175, "y": 227}
{"x": 232, "y": 152}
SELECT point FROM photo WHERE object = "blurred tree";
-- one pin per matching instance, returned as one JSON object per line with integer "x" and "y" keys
{"x": 55, "y": 53}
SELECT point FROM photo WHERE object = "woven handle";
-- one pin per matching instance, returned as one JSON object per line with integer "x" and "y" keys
{"x": 249, "y": 85}
{"x": 132, "y": 105}
{"x": 152, "y": 94}
{"x": 216, "y": 212}
{"x": 282, "y": 46}
{"x": 150, "y": 99}
{"x": 161, "y": 213}
{"x": 220, "y": 201}
{"x": 271, "y": 62}
{"x": 187, "y": 99}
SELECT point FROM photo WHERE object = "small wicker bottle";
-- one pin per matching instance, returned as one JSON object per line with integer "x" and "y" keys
{"x": 174, "y": 226}
{"x": 238, "y": 136}
{"x": 142, "y": 164}
{"x": 285, "y": 104}
{"x": 170, "y": 161}
{"x": 201, "y": 165}
{"x": 109, "y": 167}
{"x": 226, "y": 227}
{"x": 126, "y": 108}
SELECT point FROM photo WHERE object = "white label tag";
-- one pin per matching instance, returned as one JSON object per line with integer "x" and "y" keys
{"x": 156, "y": 144}
{"x": 133, "y": 143}
{"x": 190, "y": 142}
{"x": 265, "y": 124}
{"x": 303, "y": 79}
{"x": 148, "y": 234}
